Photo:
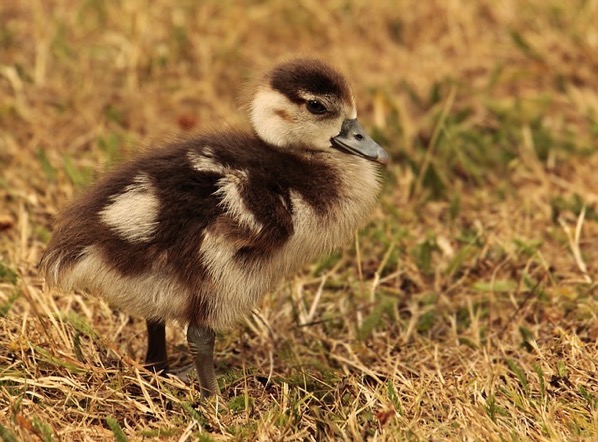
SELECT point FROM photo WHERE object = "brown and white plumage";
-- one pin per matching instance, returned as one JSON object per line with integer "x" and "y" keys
{"x": 198, "y": 231}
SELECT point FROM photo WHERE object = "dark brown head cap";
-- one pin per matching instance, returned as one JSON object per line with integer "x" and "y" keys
{"x": 309, "y": 75}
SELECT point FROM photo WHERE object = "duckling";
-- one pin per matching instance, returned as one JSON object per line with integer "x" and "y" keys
{"x": 198, "y": 231}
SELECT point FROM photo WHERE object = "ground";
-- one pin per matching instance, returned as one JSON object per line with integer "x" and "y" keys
{"x": 466, "y": 310}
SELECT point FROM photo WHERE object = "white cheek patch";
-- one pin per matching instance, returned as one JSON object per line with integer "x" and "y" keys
{"x": 321, "y": 132}
{"x": 269, "y": 126}
{"x": 133, "y": 213}
{"x": 322, "y": 135}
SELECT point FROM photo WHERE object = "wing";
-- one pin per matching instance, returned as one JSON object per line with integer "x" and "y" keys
{"x": 153, "y": 214}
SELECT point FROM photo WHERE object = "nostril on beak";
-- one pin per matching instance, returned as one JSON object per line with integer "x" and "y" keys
{"x": 358, "y": 137}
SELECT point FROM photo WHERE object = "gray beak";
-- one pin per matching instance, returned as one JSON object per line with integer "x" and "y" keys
{"x": 355, "y": 140}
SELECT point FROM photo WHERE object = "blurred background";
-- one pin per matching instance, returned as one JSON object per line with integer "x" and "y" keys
{"x": 87, "y": 81}
{"x": 480, "y": 262}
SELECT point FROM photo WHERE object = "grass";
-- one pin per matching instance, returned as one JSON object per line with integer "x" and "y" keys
{"x": 467, "y": 309}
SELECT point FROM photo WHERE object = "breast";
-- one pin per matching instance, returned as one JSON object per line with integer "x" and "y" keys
{"x": 321, "y": 219}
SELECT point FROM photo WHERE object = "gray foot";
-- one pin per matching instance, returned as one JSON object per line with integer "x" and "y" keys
{"x": 201, "y": 345}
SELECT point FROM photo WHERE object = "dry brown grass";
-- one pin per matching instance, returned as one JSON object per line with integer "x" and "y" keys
{"x": 467, "y": 310}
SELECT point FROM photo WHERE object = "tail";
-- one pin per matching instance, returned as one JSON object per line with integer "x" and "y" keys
{"x": 50, "y": 266}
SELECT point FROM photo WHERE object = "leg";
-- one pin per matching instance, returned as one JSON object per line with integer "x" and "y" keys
{"x": 156, "y": 358}
{"x": 201, "y": 345}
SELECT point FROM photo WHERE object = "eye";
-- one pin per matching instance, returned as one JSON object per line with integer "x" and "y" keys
{"x": 316, "y": 107}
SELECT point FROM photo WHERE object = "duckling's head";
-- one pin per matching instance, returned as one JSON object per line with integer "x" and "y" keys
{"x": 306, "y": 102}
